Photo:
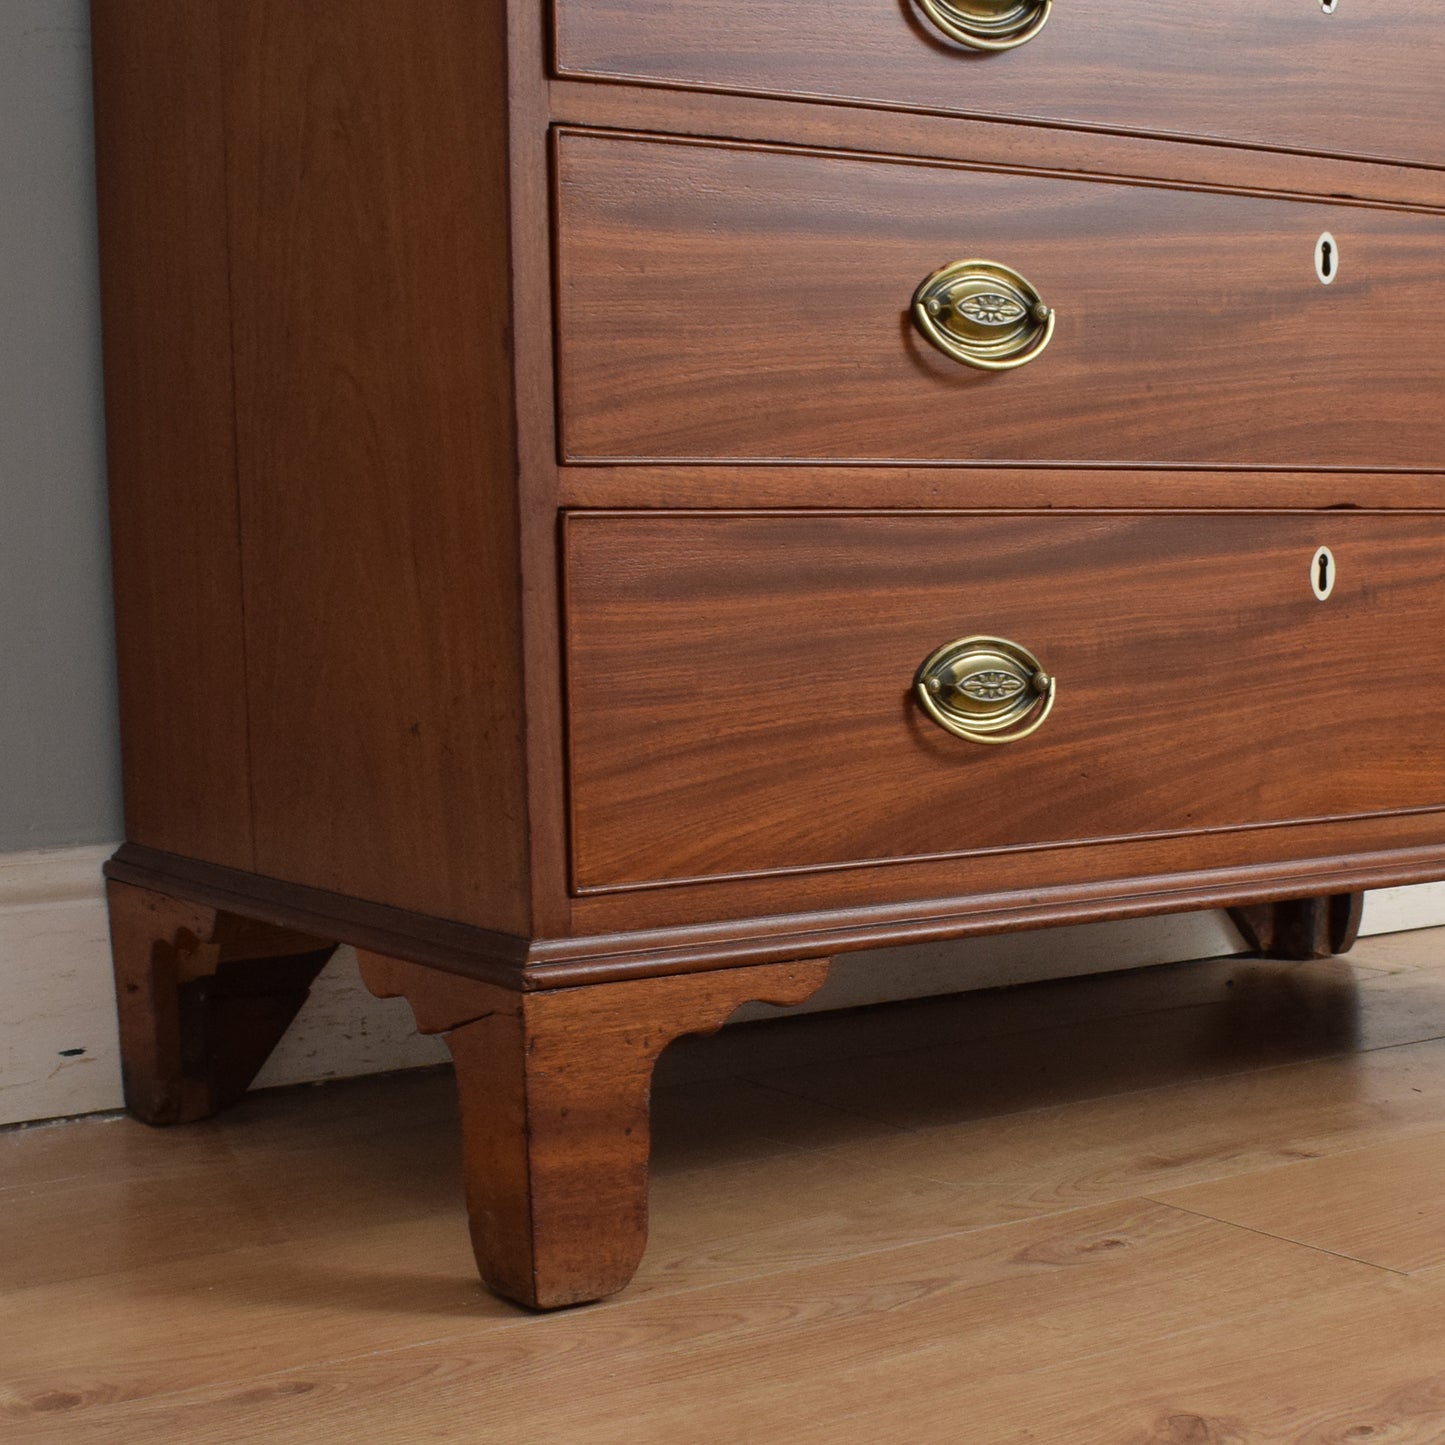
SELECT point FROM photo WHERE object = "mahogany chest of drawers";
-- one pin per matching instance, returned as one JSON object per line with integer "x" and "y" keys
{"x": 619, "y": 501}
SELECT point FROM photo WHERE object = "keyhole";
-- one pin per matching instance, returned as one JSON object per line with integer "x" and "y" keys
{"x": 1327, "y": 258}
{"x": 1328, "y": 6}
{"x": 1322, "y": 573}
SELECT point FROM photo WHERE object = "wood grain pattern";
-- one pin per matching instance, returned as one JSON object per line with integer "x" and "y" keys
{"x": 367, "y": 188}
{"x": 771, "y": 658}
{"x": 714, "y": 923}
{"x": 554, "y": 1096}
{"x": 478, "y": 952}
{"x": 170, "y": 443}
{"x": 1372, "y": 1204}
{"x": 687, "y": 929}
{"x": 1275, "y": 73}
{"x": 619, "y": 106}
{"x": 332, "y": 301}
{"x": 1128, "y": 1298}
{"x": 203, "y": 997}
{"x": 533, "y": 361}
{"x": 940, "y": 486}
{"x": 769, "y": 320}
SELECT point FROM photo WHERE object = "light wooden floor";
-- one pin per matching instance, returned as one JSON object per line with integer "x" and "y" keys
{"x": 1193, "y": 1204}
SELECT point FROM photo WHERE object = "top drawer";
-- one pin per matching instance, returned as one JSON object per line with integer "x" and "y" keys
{"x": 1361, "y": 80}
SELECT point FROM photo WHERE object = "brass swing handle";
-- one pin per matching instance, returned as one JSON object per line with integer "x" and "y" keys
{"x": 985, "y": 689}
{"x": 983, "y": 314}
{"x": 988, "y": 24}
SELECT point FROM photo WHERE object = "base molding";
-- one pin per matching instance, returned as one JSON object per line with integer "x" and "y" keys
{"x": 477, "y": 953}
{"x": 58, "y": 1050}
{"x": 512, "y": 962}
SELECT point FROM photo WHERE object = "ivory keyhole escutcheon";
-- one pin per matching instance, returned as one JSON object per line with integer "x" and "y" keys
{"x": 1322, "y": 573}
{"x": 1327, "y": 258}
{"x": 1328, "y": 6}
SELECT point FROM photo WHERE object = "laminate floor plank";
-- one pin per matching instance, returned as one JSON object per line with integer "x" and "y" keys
{"x": 726, "y": 1363}
{"x": 1409, "y": 952}
{"x": 74, "y": 1232}
{"x": 98, "y": 1146}
{"x": 752, "y": 1219}
{"x": 240, "y": 1199}
{"x": 1379, "y": 1204}
{"x": 1138, "y": 1143}
{"x": 75, "y": 1345}
{"x": 136, "y": 1195}
{"x": 166, "y": 1325}
{"x": 728, "y": 1121}
{"x": 1360, "y": 1364}
{"x": 46, "y": 1156}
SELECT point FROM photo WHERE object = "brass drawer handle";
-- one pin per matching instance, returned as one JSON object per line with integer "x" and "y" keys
{"x": 988, "y": 24}
{"x": 980, "y": 687}
{"x": 983, "y": 314}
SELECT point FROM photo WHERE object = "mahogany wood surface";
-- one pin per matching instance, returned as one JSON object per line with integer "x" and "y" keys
{"x": 1302, "y": 928}
{"x": 390, "y": 304}
{"x": 367, "y": 184}
{"x": 722, "y": 301}
{"x": 170, "y": 443}
{"x": 992, "y": 143}
{"x": 1363, "y": 81}
{"x": 653, "y": 932}
{"x": 741, "y": 685}
{"x": 533, "y": 367}
{"x": 203, "y": 997}
{"x": 936, "y": 898}
{"x": 554, "y": 1093}
{"x": 915, "y": 487}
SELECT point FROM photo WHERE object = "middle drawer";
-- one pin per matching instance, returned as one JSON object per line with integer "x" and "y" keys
{"x": 752, "y": 303}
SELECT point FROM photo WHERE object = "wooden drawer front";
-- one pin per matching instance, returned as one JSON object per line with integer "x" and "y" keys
{"x": 741, "y": 702}
{"x": 1364, "y": 81}
{"x": 735, "y": 302}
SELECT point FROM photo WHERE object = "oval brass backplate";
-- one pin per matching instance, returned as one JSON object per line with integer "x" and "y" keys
{"x": 983, "y": 314}
{"x": 988, "y": 24}
{"x": 985, "y": 689}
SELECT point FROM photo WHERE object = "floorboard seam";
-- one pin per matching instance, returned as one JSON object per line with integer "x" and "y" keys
{"x": 1282, "y": 1238}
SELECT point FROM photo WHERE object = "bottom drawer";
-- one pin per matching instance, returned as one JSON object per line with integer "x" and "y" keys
{"x": 742, "y": 699}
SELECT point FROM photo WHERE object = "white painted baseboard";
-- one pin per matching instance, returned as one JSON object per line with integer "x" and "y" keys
{"x": 58, "y": 1052}
{"x": 57, "y": 1026}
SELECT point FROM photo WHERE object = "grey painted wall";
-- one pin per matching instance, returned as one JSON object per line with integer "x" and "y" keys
{"x": 59, "y": 774}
